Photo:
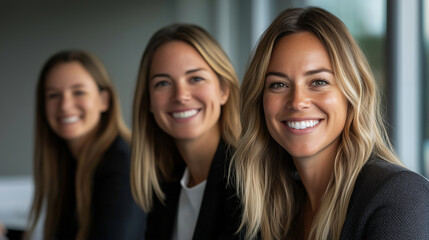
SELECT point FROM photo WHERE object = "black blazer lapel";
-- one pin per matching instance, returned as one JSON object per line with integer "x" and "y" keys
{"x": 214, "y": 211}
{"x": 161, "y": 220}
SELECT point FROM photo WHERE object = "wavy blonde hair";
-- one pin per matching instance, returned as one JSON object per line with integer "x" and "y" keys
{"x": 153, "y": 152}
{"x": 50, "y": 151}
{"x": 271, "y": 196}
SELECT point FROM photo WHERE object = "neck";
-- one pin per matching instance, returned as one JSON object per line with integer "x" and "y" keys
{"x": 198, "y": 155}
{"x": 77, "y": 145}
{"x": 315, "y": 173}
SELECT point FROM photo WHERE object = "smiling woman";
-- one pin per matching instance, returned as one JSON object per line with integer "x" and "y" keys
{"x": 185, "y": 94}
{"x": 82, "y": 154}
{"x": 186, "y": 124}
{"x": 314, "y": 160}
{"x": 304, "y": 107}
{"x": 74, "y": 104}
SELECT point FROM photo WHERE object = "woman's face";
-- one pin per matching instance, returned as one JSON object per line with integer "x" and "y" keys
{"x": 304, "y": 107}
{"x": 185, "y": 93}
{"x": 73, "y": 101}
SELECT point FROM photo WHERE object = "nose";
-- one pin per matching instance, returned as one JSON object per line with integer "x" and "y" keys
{"x": 66, "y": 101}
{"x": 298, "y": 99}
{"x": 181, "y": 92}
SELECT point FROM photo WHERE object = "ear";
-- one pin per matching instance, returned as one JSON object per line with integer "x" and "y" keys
{"x": 105, "y": 100}
{"x": 224, "y": 93}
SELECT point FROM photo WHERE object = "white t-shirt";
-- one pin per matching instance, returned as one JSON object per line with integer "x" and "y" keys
{"x": 189, "y": 207}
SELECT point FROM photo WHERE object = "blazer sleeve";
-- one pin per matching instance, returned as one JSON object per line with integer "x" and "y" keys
{"x": 115, "y": 215}
{"x": 400, "y": 208}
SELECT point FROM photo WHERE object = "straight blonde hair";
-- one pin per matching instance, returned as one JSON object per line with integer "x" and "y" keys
{"x": 265, "y": 174}
{"x": 50, "y": 151}
{"x": 153, "y": 152}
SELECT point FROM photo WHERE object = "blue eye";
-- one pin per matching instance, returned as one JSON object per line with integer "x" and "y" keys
{"x": 78, "y": 93}
{"x": 277, "y": 85}
{"x": 197, "y": 79}
{"x": 319, "y": 82}
{"x": 53, "y": 95}
{"x": 161, "y": 84}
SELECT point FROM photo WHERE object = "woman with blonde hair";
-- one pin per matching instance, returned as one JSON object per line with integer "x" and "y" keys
{"x": 82, "y": 154}
{"x": 185, "y": 125}
{"x": 314, "y": 160}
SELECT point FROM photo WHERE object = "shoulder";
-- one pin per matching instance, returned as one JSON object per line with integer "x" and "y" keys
{"x": 223, "y": 155}
{"x": 119, "y": 147}
{"x": 378, "y": 174}
{"x": 116, "y": 158}
{"x": 218, "y": 174}
{"x": 388, "y": 200}
{"x": 380, "y": 180}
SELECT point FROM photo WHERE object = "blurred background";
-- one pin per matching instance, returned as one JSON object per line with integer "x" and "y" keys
{"x": 394, "y": 35}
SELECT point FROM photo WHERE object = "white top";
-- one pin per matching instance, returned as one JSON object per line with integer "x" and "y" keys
{"x": 189, "y": 207}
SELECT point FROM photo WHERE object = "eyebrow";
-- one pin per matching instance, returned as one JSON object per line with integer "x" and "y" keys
{"x": 277, "y": 74}
{"x": 195, "y": 70}
{"x": 316, "y": 71}
{"x": 308, "y": 73}
{"x": 79, "y": 85}
{"x": 168, "y": 76}
{"x": 160, "y": 75}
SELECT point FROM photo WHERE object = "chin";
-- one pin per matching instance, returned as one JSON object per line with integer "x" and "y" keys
{"x": 301, "y": 153}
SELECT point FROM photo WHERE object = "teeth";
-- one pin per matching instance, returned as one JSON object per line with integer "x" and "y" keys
{"x": 70, "y": 119}
{"x": 185, "y": 114}
{"x": 302, "y": 124}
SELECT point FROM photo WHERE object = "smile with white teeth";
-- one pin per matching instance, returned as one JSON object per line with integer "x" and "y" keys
{"x": 70, "y": 119}
{"x": 185, "y": 114}
{"x": 302, "y": 124}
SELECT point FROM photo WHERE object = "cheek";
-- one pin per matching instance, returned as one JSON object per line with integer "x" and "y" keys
{"x": 156, "y": 106}
{"x": 271, "y": 109}
{"x": 50, "y": 109}
{"x": 210, "y": 92}
{"x": 156, "y": 100}
{"x": 271, "y": 106}
{"x": 343, "y": 106}
{"x": 338, "y": 105}
{"x": 50, "y": 114}
{"x": 92, "y": 105}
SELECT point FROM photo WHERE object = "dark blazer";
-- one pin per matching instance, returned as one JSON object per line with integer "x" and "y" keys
{"x": 114, "y": 214}
{"x": 388, "y": 202}
{"x": 219, "y": 214}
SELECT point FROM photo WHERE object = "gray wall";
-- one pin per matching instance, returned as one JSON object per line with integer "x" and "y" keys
{"x": 114, "y": 31}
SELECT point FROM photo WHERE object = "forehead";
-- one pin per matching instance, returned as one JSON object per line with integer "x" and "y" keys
{"x": 302, "y": 48}
{"x": 176, "y": 55}
{"x": 69, "y": 74}
{"x": 304, "y": 41}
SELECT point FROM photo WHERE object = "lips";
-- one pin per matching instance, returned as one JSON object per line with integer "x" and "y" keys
{"x": 185, "y": 114}
{"x": 300, "y": 125}
{"x": 69, "y": 120}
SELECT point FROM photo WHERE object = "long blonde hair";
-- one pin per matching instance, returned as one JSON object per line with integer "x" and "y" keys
{"x": 265, "y": 174}
{"x": 152, "y": 150}
{"x": 50, "y": 151}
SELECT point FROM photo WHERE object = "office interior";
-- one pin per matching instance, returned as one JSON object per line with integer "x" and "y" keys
{"x": 394, "y": 35}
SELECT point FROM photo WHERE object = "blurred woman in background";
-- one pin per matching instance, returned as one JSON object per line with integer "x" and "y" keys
{"x": 82, "y": 154}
